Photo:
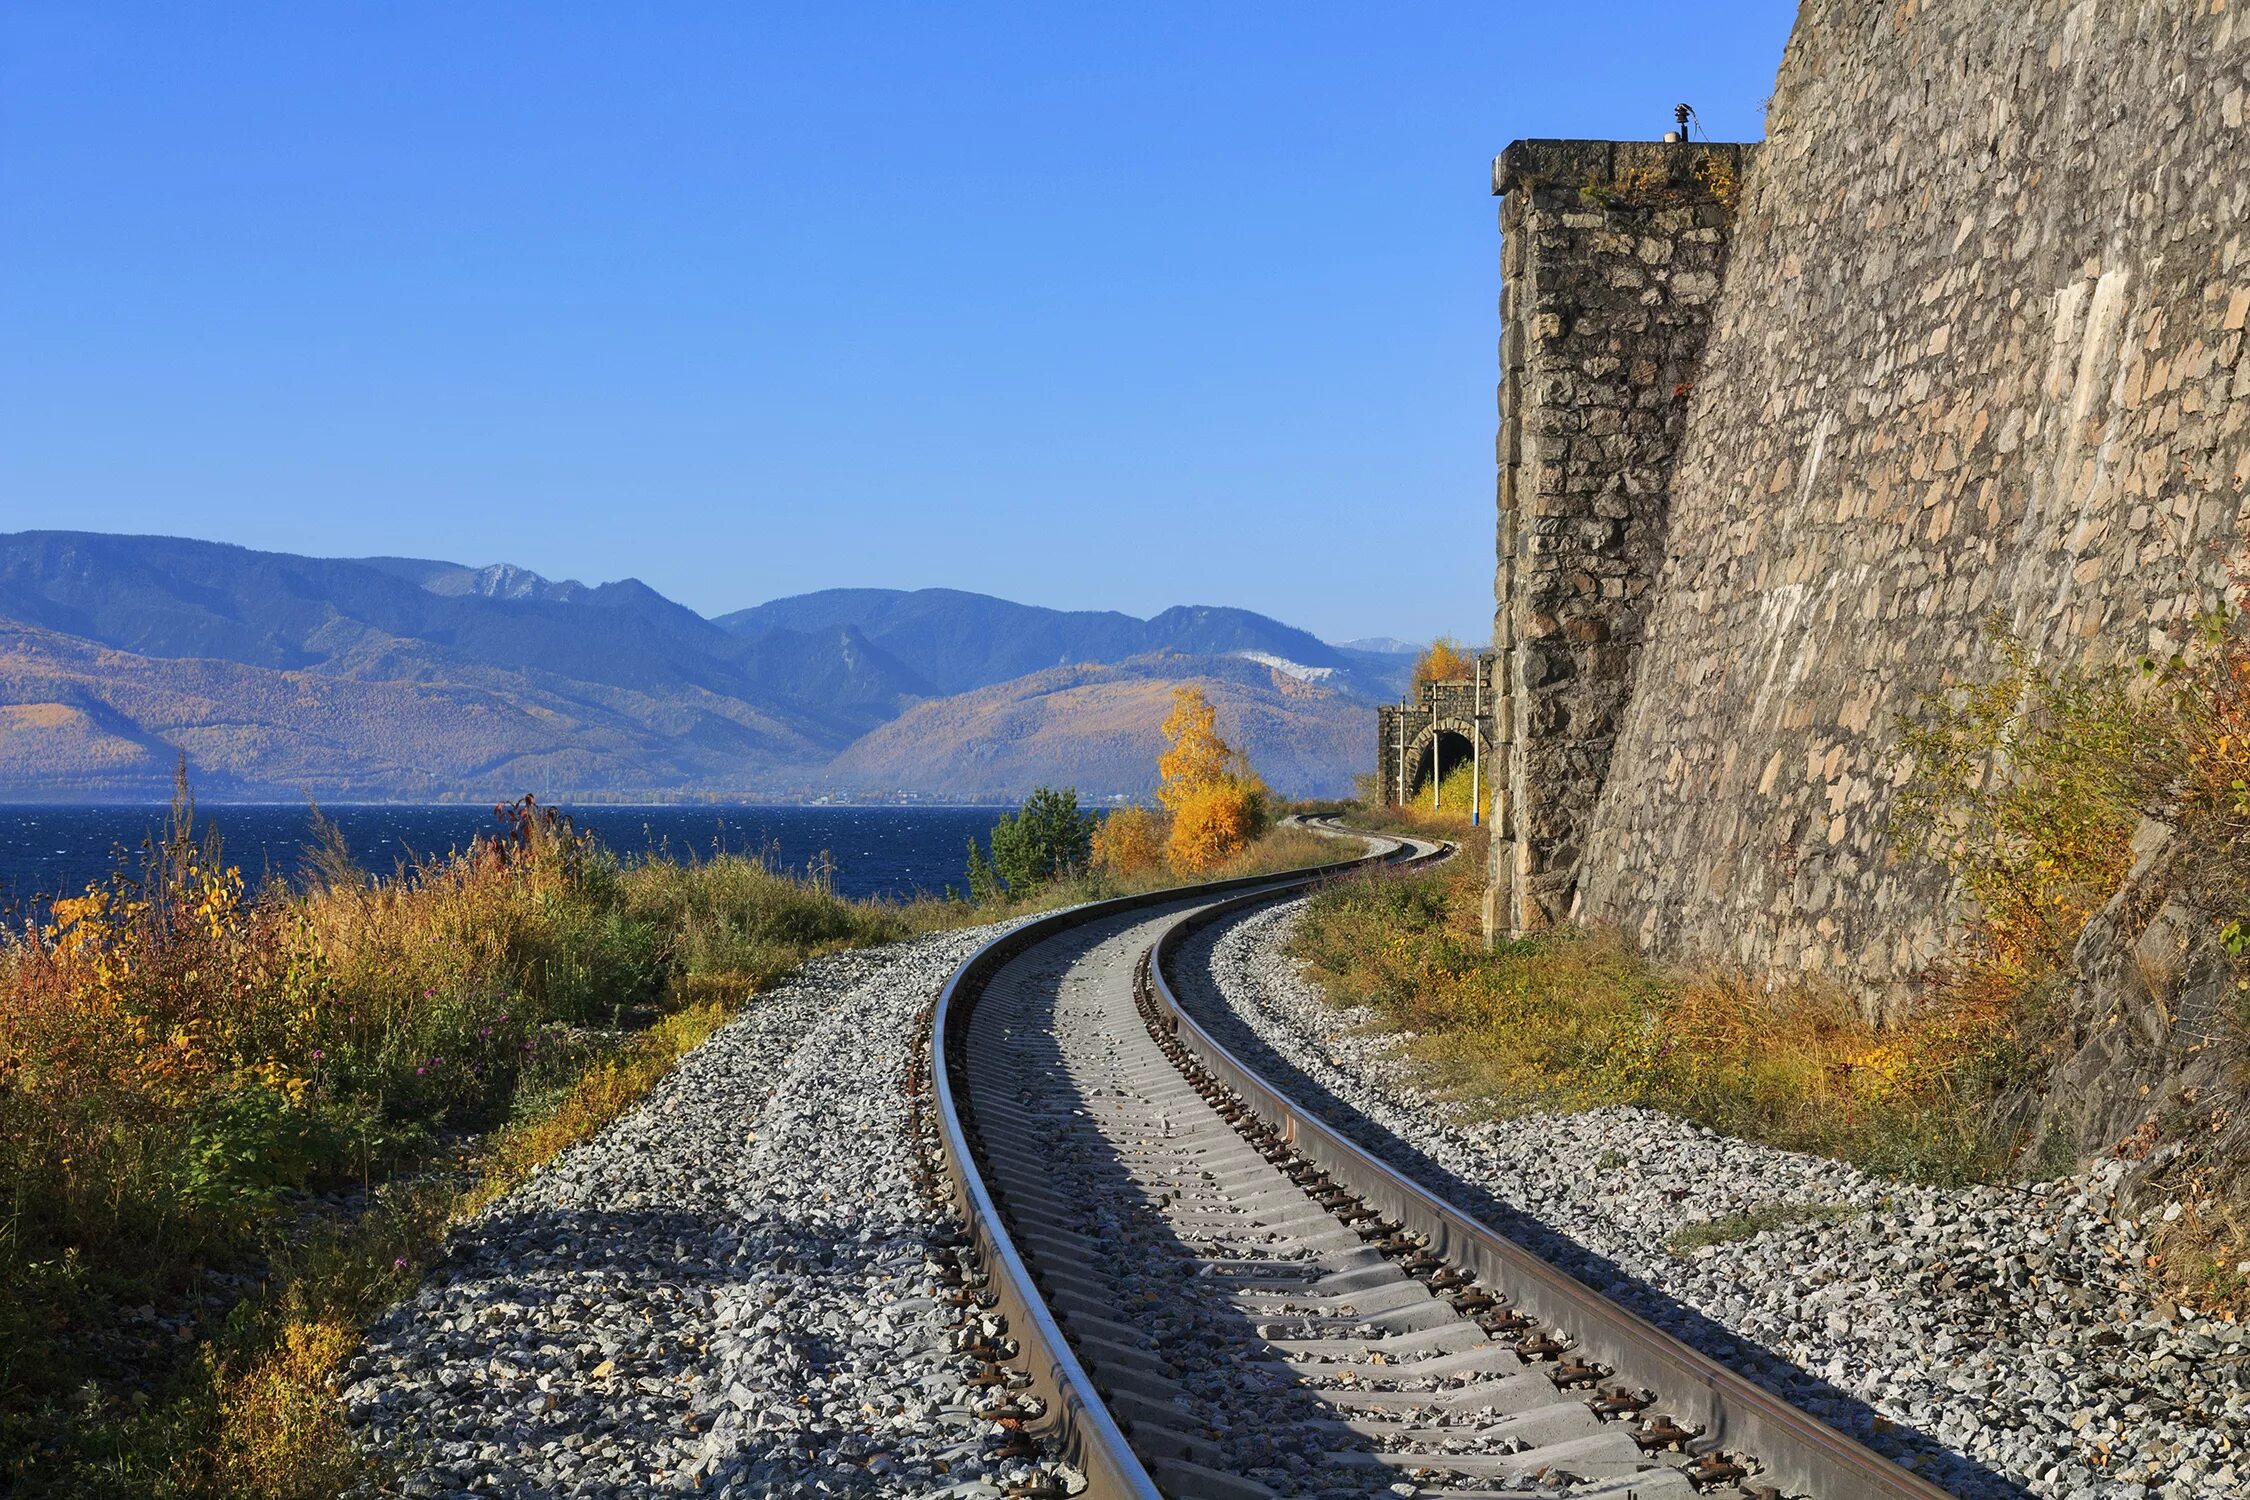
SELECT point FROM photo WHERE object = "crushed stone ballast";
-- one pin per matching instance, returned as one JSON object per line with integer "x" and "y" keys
{"x": 1193, "y": 1287}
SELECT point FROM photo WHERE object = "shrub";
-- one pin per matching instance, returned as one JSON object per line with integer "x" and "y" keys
{"x": 2030, "y": 790}
{"x": 1217, "y": 805}
{"x": 182, "y": 1061}
{"x": 1211, "y": 824}
{"x": 730, "y": 926}
{"x": 1130, "y": 843}
{"x": 249, "y": 1142}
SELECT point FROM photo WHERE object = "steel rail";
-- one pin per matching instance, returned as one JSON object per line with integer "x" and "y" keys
{"x": 1076, "y": 1425}
{"x": 1795, "y": 1449}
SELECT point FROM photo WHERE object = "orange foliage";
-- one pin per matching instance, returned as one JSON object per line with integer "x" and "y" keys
{"x": 142, "y": 1001}
{"x": 1194, "y": 755}
{"x": 176, "y": 1055}
{"x": 1130, "y": 842}
{"x": 1446, "y": 660}
{"x": 1212, "y": 823}
{"x": 1217, "y": 804}
{"x": 180, "y": 1060}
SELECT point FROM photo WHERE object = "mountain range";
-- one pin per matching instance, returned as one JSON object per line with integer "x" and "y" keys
{"x": 382, "y": 678}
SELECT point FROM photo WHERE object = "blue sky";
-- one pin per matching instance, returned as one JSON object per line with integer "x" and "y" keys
{"x": 1094, "y": 306}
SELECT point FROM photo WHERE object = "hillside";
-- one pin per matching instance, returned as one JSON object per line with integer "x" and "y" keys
{"x": 389, "y": 619}
{"x": 1095, "y": 727}
{"x": 958, "y": 641}
{"x": 85, "y": 721}
{"x": 415, "y": 679}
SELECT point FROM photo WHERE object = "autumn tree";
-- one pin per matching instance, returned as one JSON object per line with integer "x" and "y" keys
{"x": 1194, "y": 756}
{"x": 1445, "y": 660}
{"x": 1212, "y": 824}
{"x": 1131, "y": 842}
{"x": 1217, "y": 804}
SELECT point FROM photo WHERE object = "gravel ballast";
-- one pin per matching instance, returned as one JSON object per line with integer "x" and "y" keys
{"x": 1251, "y": 1342}
{"x": 2001, "y": 1340}
{"x": 732, "y": 1290}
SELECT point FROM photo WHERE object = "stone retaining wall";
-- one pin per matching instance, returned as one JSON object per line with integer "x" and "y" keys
{"x": 1979, "y": 353}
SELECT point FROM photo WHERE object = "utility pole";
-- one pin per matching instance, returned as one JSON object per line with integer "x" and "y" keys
{"x": 1476, "y": 748}
{"x": 1437, "y": 750}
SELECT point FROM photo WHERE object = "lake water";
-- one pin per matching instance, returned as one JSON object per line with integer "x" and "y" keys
{"x": 878, "y": 851}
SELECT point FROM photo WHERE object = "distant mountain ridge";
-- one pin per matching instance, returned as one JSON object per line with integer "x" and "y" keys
{"x": 404, "y": 677}
{"x": 1096, "y": 726}
{"x": 959, "y": 641}
{"x": 499, "y": 581}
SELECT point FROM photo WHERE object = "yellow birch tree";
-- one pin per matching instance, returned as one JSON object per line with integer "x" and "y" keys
{"x": 1217, "y": 805}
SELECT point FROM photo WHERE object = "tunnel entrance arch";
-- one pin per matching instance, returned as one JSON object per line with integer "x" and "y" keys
{"x": 1437, "y": 753}
{"x": 1439, "y": 729}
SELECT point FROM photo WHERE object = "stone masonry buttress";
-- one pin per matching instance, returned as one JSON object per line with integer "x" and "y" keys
{"x": 1611, "y": 257}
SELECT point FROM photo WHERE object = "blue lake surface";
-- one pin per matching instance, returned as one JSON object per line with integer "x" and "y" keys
{"x": 878, "y": 851}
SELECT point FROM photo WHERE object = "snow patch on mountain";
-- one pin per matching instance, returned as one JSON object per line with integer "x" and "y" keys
{"x": 1294, "y": 669}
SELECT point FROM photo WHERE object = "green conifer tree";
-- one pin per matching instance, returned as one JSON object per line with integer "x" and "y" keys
{"x": 984, "y": 881}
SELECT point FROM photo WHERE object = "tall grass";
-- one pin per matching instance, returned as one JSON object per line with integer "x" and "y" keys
{"x": 1572, "y": 1019}
{"x": 233, "y": 1124}
{"x": 1448, "y": 817}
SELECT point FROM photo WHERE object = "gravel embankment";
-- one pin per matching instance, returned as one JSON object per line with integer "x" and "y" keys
{"x": 729, "y": 1291}
{"x": 1999, "y": 1338}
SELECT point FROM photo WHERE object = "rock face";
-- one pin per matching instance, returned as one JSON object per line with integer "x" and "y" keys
{"x": 2140, "y": 1030}
{"x": 1978, "y": 353}
{"x": 1611, "y": 262}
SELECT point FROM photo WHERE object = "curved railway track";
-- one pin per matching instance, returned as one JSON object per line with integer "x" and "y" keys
{"x": 1186, "y": 1285}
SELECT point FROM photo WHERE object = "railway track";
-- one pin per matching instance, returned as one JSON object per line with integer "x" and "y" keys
{"x": 1186, "y": 1285}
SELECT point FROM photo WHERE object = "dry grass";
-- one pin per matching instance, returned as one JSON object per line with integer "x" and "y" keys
{"x": 1448, "y": 818}
{"x": 191, "y": 1075}
{"x": 279, "y": 1435}
{"x": 1574, "y": 1019}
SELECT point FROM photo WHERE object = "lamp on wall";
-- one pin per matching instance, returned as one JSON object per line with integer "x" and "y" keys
{"x": 1682, "y": 113}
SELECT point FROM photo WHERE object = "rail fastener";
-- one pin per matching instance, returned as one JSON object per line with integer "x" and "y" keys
{"x": 1725, "y": 1414}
